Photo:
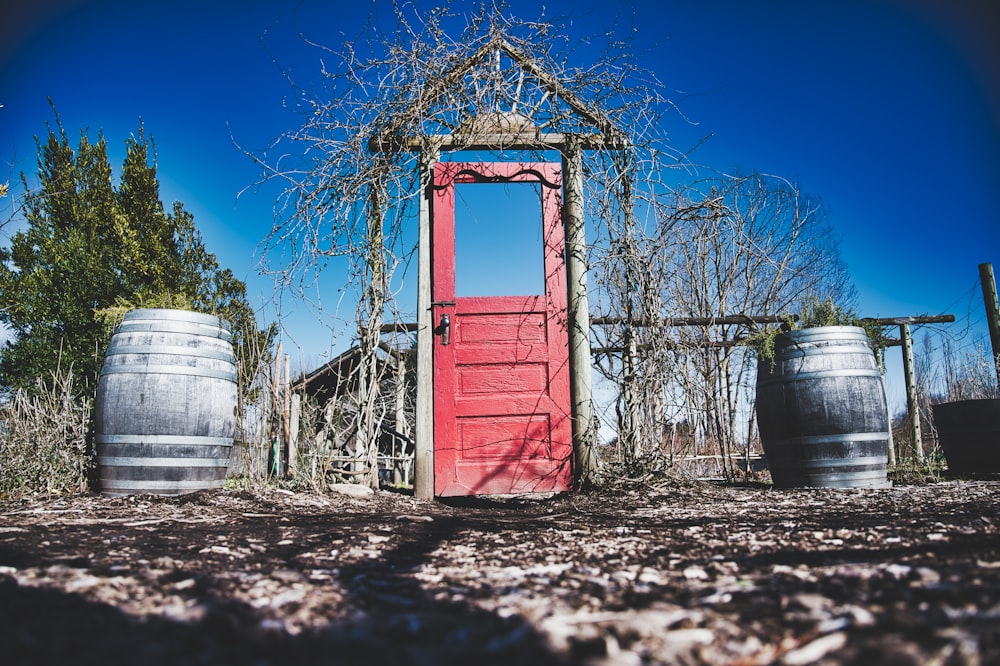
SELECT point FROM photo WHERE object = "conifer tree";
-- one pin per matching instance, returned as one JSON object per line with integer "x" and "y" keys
{"x": 90, "y": 246}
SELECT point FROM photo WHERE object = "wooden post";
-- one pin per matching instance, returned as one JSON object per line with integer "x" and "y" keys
{"x": 990, "y": 300}
{"x": 628, "y": 428}
{"x": 584, "y": 435}
{"x": 262, "y": 451}
{"x": 286, "y": 417}
{"x": 274, "y": 430}
{"x": 880, "y": 359}
{"x": 293, "y": 432}
{"x": 401, "y": 425}
{"x": 423, "y": 463}
{"x": 911, "y": 390}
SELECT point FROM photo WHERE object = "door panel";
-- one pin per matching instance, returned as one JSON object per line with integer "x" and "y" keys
{"x": 501, "y": 370}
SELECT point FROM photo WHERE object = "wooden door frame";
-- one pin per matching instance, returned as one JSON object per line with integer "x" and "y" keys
{"x": 553, "y": 470}
{"x": 584, "y": 428}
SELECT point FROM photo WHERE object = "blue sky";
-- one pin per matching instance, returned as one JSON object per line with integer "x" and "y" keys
{"x": 887, "y": 109}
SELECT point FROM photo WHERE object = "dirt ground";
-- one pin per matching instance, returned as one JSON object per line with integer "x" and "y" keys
{"x": 684, "y": 573}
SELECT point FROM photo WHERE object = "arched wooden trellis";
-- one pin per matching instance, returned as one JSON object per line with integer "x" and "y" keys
{"x": 506, "y": 130}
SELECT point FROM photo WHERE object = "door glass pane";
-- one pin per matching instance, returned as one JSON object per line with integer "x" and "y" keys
{"x": 498, "y": 239}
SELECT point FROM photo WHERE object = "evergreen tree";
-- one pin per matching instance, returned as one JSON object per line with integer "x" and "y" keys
{"x": 89, "y": 246}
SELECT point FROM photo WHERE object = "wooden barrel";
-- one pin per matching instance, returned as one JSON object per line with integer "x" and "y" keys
{"x": 969, "y": 432}
{"x": 165, "y": 411}
{"x": 822, "y": 411}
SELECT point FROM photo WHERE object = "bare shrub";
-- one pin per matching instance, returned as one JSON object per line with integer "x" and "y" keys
{"x": 328, "y": 443}
{"x": 350, "y": 208}
{"x": 972, "y": 377}
{"x": 44, "y": 448}
{"x": 257, "y": 413}
{"x": 745, "y": 245}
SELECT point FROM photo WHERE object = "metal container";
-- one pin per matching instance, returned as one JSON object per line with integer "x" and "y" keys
{"x": 969, "y": 433}
{"x": 165, "y": 411}
{"x": 821, "y": 411}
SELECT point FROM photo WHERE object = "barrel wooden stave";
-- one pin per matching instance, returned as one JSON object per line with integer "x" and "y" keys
{"x": 165, "y": 409}
{"x": 821, "y": 411}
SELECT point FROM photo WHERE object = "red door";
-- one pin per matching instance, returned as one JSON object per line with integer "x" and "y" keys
{"x": 501, "y": 363}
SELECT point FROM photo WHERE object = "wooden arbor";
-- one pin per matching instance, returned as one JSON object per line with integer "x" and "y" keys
{"x": 525, "y": 109}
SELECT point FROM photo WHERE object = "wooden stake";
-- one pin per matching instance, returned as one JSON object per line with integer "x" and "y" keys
{"x": 402, "y": 426}
{"x": 628, "y": 428}
{"x": 911, "y": 390}
{"x": 990, "y": 300}
{"x": 273, "y": 431}
{"x": 286, "y": 417}
{"x": 293, "y": 426}
{"x": 880, "y": 359}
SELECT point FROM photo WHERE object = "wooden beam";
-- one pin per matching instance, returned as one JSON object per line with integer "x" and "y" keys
{"x": 880, "y": 362}
{"x": 401, "y": 326}
{"x": 501, "y": 141}
{"x": 628, "y": 426}
{"x": 694, "y": 321}
{"x": 409, "y": 327}
{"x": 911, "y": 390}
{"x": 673, "y": 346}
{"x": 293, "y": 430}
{"x": 584, "y": 432}
{"x": 423, "y": 463}
{"x": 990, "y": 300}
{"x": 286, "y": 418}
{"x": 402, "y": 426}
{"x": 921, "y": 319}
{"x": 760, "y": 319}
{"x": 275, "y": 429}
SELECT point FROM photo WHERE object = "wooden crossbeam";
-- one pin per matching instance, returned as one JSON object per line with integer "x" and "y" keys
{"x": 409, "y": 327}
{"x": 899, "y": 321}
{"x": 499, "y": 141}
{"x": 692, "y": 321}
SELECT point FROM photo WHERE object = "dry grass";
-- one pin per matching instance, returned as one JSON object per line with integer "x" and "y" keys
{"x": 43, "y": 440}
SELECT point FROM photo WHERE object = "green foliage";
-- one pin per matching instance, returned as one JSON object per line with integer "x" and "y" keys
{"x": 91, "y": 251}
{"x": 911, "y": 471}
{"x": 113, "y": 315}
{"x": 762, "y": 342}
{"x": 876, "y": 339}
{"x": 813, "y": 313}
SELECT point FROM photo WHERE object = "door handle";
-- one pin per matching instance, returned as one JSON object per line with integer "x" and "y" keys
{"x": 444, "y": 330}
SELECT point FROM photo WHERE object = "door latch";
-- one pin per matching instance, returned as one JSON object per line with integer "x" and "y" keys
{"x": 444, "y": 330}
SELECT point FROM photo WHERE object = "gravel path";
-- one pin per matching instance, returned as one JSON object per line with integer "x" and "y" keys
{"x": 674, "y": 574}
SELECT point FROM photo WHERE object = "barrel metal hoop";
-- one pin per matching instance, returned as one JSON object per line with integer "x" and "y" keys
{"x": 876, "y": 481}
{"x": 184, "y": 440}
{"x": 112, "y": 485}
{"x": 835, "y": 462}
{"x": 168, "y": 370}
{"x": 800, "y": 350}
{"x": 856, "y": 479}
{"x": 173, "y": 314}
{"x": 820, "y": 374}
{"x": 814, "y": 440}
{"x": 172, "y": 350}
{"x": 174, "y": 327}
{"x": 119, "y": 461}
{"x": 824, "y": 334}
